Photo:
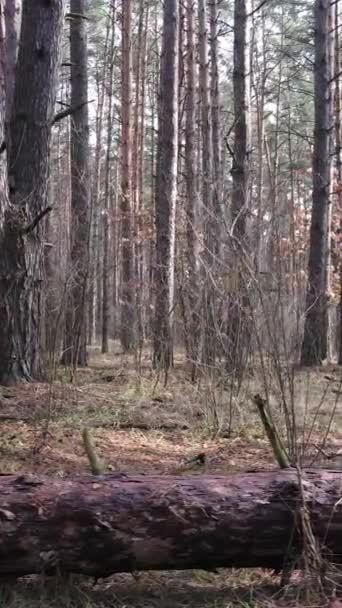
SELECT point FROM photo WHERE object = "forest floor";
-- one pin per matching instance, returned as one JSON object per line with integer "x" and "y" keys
{"x": 140, "y": 423}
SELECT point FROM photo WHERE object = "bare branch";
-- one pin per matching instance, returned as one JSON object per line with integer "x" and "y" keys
{"x": 257, "y": 8}
{"x": 36, "y": 220}
{"x": 69, "y": 111}
{"x": 70, "y": 16}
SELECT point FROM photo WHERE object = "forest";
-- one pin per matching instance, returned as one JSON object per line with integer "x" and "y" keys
{"x": 170, "y": 303}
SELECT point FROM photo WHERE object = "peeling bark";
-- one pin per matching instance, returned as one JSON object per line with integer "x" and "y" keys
{"x": 118, "y": 523}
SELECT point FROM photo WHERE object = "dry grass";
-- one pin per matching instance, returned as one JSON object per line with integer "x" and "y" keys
{"x": 140, "y": 425}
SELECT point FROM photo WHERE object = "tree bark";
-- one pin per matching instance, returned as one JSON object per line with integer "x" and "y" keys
{"x": 314, "y": 347}
{"x": 75, "y": 352}
{"x": 106, "y": 300}
{"x": 191, "y": 181}
{"x": 166, "y": 187}
{"x": 338, "y": 155}
{"x": 138, "y": 164}
{"x": 238, "y": 323}
{"x": 94, "y": 295}
{"x": 210, "y": 220}
{"x": 21, "y": 241}
{"x": 117, "y": 523}
{"x": 215, "y": 108}
{"x": 12, "y": 12}
{"x": 127, "y": 328}
{"x": 4, "y": 199}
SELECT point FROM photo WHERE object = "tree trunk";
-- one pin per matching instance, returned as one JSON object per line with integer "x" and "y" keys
{"x": 12, "y": 14}
{"x": 21, "y": 244}
{"x": 338, "y": 140}
{"x": 314, "y": 348}
{"x": 106, "y": 299}
{"x": 238, "y": 325}
{"x": 191, "y": 181}
{"x": 117, "y": 523}
{"x": 166, "y": 187}
{"x": 127, "y": 327}
{"x": 210, "y": 223}
{"x": 75, "y": 352}
{"x": 215, "y": 109}
{"x": 143, "y": 282}
{"x": 138, "y": 164}
{"x": 4, "y": 199}
{"x": 94, "y": 295}
{"x": 259, "y": 90}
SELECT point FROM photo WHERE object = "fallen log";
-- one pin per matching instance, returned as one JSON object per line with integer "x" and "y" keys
{"x": 120, "y": 523}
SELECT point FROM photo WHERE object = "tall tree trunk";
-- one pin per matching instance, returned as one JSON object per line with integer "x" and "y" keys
{"x": 107, "y": 191}
{"x": 153, "y": 94}
{"x": 127, "y": 326}
{"x": 338, "y": 140}
{"x": 191, "y": 186}
{"x": 238, "y": 326}
{"x": 143, "y": 281}
{"x": 75, "y": 352}
{"x": 215, "y": 110}
{"x": 4, "y": 198}
{"x": 138, "y": 153}
{"x": 166, "y": 187}
{"x": 21, "y": 246}
{"x": 209, "y": 220}
{"x": 259, "y": 91}
{"x": 94, "y": 295}
{"x": 12, "y": 12}
{"x": 314, "y": 348}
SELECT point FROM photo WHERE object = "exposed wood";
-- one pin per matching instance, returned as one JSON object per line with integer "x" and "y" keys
{"x": 271, "y": 430}
{"x": 95, "y": 464}
{"x": 118, "y": 523}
